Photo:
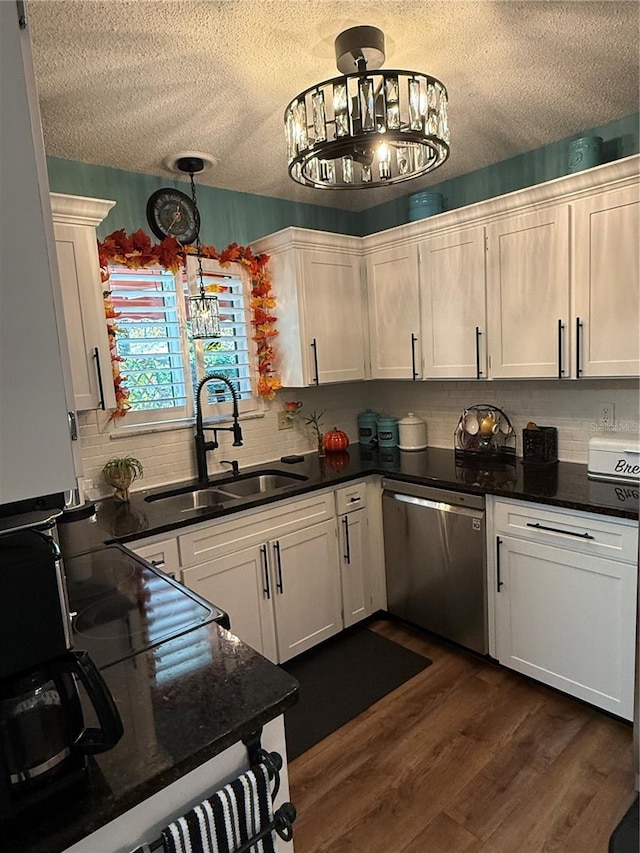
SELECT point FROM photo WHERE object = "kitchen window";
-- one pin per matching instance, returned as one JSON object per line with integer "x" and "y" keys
{"x": 161, "y": 362}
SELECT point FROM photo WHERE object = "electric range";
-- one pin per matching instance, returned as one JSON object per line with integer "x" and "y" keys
{"x": 121, "y": 605}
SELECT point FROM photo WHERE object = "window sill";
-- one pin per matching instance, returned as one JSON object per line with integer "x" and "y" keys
{"x": 170, "y": 426}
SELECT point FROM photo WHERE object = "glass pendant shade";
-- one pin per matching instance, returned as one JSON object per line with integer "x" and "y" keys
{"x": 369, "y": 127}
{"x": 204, "y": 316}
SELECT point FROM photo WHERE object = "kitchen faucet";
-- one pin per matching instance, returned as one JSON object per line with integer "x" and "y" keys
{"x": 203, "y": 446}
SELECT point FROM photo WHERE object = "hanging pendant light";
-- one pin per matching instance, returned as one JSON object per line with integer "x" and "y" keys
{"x": 204, "y": 314}
{"x": 369, "y": 127}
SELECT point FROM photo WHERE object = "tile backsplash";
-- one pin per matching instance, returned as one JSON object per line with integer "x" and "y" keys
{"x": 168, "y": 454}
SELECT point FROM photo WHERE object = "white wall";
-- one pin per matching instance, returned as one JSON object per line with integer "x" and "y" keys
{"x": 168, "y": 455}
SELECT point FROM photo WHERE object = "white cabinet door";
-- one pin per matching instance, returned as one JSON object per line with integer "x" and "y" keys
{"x": 394, "y": 313}
{"x": 307, "y": 588}
{"x": 528, "y": 294}
{"x": 75, "y": 220}
{"x": 35, "y": 443}
{"x": 452, "y": 278}
{"x": 334, "y": 317}
{"x": 356, "y": 598}
{"x": 240, "y": 584}
{"x": 606, "y": 283}
{"x": 568, "y": 620}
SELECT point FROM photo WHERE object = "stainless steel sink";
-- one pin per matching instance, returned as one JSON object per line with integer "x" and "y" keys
{"x": 225, "y": 491}
{"x": 258, "y": 484}
{"x": 191, "y": 500}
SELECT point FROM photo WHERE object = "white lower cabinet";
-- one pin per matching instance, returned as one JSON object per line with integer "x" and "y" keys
{"x": 564, "y": 613}
{"x": 306, "y": 599}
{"x": 275, "y": 572}
{"x": 353, "y": 530}
{"x": 240, "y": 584}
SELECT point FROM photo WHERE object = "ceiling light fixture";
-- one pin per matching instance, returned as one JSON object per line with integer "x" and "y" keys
{"x": 369, "y": 127}
{"x": 204, "y": 314}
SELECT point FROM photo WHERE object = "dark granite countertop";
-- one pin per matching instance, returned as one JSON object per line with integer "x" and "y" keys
{"x": 176, "y": 716}
{"x": 564, "y": 484}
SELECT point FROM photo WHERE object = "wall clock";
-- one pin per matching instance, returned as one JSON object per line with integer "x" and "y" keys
{"x": 171, "y": 213}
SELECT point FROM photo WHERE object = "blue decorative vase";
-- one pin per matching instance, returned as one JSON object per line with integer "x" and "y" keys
{"x": 584, "y": 153}
{"x": 425, "y": 204}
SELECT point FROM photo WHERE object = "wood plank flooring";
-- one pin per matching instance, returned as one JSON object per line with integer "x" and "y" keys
{"x": 467, "y": 757}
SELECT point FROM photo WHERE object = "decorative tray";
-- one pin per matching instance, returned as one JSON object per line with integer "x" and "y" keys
{"x": 484, "y": 432}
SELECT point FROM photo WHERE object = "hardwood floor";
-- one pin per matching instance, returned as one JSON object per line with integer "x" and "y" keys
{"x": 465, "y": 757}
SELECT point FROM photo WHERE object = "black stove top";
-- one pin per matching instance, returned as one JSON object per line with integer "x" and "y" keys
{"x": 123, "y": 606}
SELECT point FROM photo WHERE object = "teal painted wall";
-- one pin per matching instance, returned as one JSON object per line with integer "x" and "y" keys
{"x": 226, "y": 216}
{"x": 619, "y": 139}
{"x": 229, "y": 216}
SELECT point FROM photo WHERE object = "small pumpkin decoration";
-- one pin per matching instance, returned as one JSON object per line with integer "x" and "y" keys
{"x": 335, "y": 440}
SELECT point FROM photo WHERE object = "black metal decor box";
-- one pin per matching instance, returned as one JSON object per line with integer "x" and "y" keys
{"x": 540, "y": 446}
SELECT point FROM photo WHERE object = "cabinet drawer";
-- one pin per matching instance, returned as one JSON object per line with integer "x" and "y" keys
{"x": 351, "y": 497}
{"x": 251, "y": 528}
{"x": 163, "y": 554}
{"x": 574, "y": 531}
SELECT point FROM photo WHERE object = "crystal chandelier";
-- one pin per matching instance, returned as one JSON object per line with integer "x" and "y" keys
{"x": 369, "y": 127}
{"x": 204, "y": 314}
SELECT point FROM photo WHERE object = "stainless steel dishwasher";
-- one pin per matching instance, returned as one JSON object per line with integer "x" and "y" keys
{"x": 435, "y": 558}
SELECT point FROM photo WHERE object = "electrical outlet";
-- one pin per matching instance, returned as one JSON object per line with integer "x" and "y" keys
{"x": 284, "y": 422}
{"x": 607, "y": 416}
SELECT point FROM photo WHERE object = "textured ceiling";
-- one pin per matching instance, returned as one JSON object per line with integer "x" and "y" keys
{"x": 126, "y": 84}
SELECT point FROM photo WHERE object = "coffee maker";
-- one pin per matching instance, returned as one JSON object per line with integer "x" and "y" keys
{"x": 44, "y": 742}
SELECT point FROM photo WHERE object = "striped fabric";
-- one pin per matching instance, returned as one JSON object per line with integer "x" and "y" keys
{"x": 227, "y": 820}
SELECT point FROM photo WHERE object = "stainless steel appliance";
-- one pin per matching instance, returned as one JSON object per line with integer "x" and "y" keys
{"x": 435, "y": 558}
{"x": 43, "y": 738}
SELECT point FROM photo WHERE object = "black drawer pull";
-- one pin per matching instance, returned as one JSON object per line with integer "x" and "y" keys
{"x": 414, "y": 372}
{"x": 265, "y": 571}
{"x": 478, "y": 371}
{"x": 557, "y": 530}
{"x": 314, "y": 347}
{"x": 560, "y": 349}
{"x": 279, "y": 586}
{"x": 500, "y": 582}
{"x": 347, "y": 548}
{"x": 96, "y": 355}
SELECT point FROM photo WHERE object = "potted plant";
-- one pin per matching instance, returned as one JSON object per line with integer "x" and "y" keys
{"x": 314, "y": 421}
{"x": 120, "y": 472}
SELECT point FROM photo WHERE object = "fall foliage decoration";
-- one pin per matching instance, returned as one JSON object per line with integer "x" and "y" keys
{"x": 136, "y": 251}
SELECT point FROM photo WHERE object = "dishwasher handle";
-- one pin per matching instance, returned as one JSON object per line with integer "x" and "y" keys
{"x": 436, "y": 495}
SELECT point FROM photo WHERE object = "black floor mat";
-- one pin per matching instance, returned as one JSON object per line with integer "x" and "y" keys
{"x": 626, "y": 835}
{"x": 340, "y": 679}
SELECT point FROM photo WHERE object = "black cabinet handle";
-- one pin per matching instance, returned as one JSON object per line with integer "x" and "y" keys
{"x": 96, "y": 355}
{"x": 276, "y": 548}
{"x": 560, "y": 349}
{"x": 314, "y": 347}
{"x": 578, "y": 328}
{"x": 265, "y": 571}
{"x": 478, "y": 371}
{"x": 414, "y": 373}
{"x": 557, "y": 530}
{"x": 498, "y": 576}
{"x": 347, "y": 549}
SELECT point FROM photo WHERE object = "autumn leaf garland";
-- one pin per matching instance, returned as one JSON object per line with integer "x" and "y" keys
{"x": 136, "y": 251}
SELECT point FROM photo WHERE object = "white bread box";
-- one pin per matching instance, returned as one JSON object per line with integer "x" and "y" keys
{"x": 615, "y": 458}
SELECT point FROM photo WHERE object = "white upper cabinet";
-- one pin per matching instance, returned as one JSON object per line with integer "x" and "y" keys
{"x": 393, "y": 289}
{"x": 35, "y": 441}
{"x": 528, "y": 294}
{"x": 320, "y": 306}
{"x": 454, "y": 327}
{"x": 75, "y": 220}
{"x": 606, "y": 283}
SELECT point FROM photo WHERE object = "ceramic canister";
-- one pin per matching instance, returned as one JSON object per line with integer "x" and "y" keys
{"x": 387, "y": 431}
{"x": 412, "y": 433}
{"x": 368, "y": 427}
{"x": 425, "y": 204}
{"x": 584, "y": 153}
